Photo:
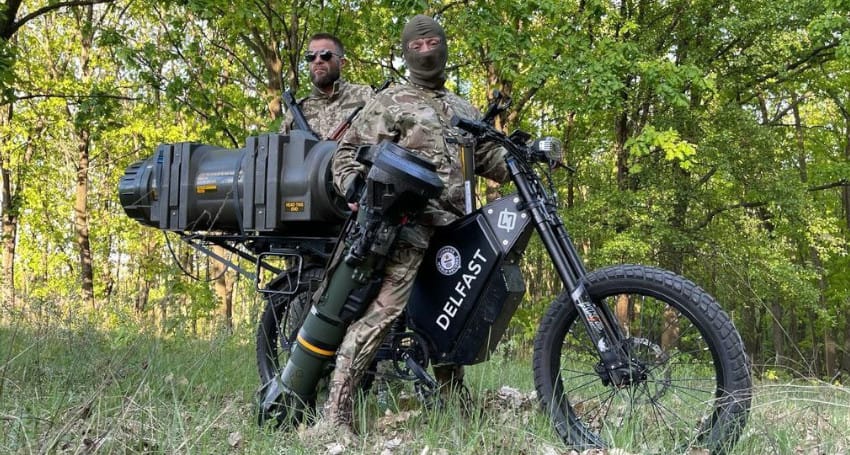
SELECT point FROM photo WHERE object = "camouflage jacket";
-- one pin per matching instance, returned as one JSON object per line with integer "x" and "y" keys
{"x": 419, "y": 119}
{"x": 324, "y": 113}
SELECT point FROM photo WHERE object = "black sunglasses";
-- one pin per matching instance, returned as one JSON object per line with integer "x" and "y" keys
{"x": 323, "y": 54}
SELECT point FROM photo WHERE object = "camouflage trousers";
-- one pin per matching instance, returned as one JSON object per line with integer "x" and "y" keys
{"x": 365, "y": 335}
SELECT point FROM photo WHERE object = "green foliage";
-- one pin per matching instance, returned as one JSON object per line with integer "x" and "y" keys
{"x": 709, "y": 138}
{"x": 668, "y": 142}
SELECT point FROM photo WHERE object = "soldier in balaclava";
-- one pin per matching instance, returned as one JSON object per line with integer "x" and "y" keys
{"x": 415, "y": 115}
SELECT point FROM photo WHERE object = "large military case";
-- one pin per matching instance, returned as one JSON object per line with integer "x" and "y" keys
{"x": 275, "y": 184}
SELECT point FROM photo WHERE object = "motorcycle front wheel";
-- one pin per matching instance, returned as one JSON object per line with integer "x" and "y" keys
{"x": 694, "y": 388}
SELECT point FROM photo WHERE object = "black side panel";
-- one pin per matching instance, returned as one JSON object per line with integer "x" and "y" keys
{"x": 458, "y": 263}
{"x": 469, "y": 285}
{"x": 495, "y": 310}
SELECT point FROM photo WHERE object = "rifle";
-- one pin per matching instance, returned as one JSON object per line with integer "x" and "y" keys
{"x": 499, "y": 104}
{"x": 343, "y": 127}
{"x": 297, "y": 116}
{"x": 386, "y": 84}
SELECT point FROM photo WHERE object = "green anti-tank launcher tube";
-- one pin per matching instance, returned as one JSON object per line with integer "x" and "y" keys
{"x": 397, "y": 187}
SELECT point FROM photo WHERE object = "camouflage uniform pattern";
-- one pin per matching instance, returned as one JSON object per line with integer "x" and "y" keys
{"x": 418, "y": 119}
{"x": 325, "y": 112}
{"x": 365, "y": 335}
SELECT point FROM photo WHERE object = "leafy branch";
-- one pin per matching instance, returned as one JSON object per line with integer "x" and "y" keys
{"x": 718, "y": 210}
{"x": 9, "y": 26}
{"x": 842, "y": 182}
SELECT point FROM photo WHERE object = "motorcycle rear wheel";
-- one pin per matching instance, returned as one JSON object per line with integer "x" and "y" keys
{"x": 697, "y": 386}
{"x": 283, "y": 316}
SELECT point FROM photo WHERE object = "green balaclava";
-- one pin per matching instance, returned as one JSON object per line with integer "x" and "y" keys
{"x": 427, "y": 69}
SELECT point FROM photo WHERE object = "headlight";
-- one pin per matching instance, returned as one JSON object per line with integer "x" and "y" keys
{"x": 549, "y": 147}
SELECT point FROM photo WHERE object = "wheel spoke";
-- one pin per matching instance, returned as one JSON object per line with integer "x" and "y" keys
{"x": 682, "y": 350}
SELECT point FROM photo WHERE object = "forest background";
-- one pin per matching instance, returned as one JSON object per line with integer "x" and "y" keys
{"x": 709, "y": 137}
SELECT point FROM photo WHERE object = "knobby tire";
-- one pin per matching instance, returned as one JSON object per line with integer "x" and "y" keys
{"x": 696, "y": 393}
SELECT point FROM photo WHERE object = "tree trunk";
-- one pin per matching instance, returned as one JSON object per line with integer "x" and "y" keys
{"x": 624, "y": 309}
{"x": 845, "y": 354}
{"x": 828, "y": 366}
{"x": 671, "y": 333}
{"x": 163, "y": 314}
{"x": 223, "y": 289}
{"x": 491, "y": 192}
{"x": 802, "y": 158}
{"x": 571, "y": 180}
{"x": 845, "y": 203}
{"x": 187, "y": 259}
{"x": 621, "y": 133}
{"x": 274, "y": 81}
{"x": 794, "y": 331}
{"x": 12, "y": 186}
{"x": 266, "y": 43}
{"x": 10, "y": 231}
{"x": 81, "y": 193}
{"x": 814, "y": 359}
{"x": 829, "y": 351}
{"x": 845, "y": 190}
{"x": 81, "y": 218}
{"x": 142, "y": 297}
{"x": 751, "y": 336}
{"x": 149, "y": 248}
{"x": 778, "y": 334}
{"x": 10, "y": 221}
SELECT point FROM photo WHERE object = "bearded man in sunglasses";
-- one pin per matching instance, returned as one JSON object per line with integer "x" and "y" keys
{"x": 332, "y": 99}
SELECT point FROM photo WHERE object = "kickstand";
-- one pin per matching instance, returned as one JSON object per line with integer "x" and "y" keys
{"x": 269, "y": 401}
{"x": 426, "y": 386}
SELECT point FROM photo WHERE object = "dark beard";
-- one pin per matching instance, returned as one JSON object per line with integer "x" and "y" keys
{"x": 327, "y": 79}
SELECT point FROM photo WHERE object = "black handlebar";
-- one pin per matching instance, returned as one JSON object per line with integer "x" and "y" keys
{"x": 515, "y": 144}
{"x": 474, "y": 127}
{"x": 484, "y": 132}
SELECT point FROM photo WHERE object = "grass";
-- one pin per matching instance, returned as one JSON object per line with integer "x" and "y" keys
{"x": 79, "y": 391}
{"x": 798, "y": 417}
{"x": 85, "y": 391}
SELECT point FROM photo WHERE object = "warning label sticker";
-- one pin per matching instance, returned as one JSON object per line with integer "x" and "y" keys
{"x": 293, "y": 206}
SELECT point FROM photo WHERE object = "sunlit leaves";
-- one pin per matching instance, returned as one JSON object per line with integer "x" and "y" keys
{"x": 668, "y": 142}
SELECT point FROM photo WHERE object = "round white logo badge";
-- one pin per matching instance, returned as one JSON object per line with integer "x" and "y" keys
{"x": 448, "y": 260}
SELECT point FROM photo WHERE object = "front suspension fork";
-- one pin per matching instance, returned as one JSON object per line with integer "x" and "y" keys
{"x": 601, "y": 325}
{"x": 615, "y": 364}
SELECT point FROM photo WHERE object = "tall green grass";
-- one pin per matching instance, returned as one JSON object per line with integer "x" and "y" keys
{"x": 85, "y": 391}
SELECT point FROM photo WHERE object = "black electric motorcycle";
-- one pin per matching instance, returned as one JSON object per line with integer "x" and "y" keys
{"x": 629, "y": 356}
